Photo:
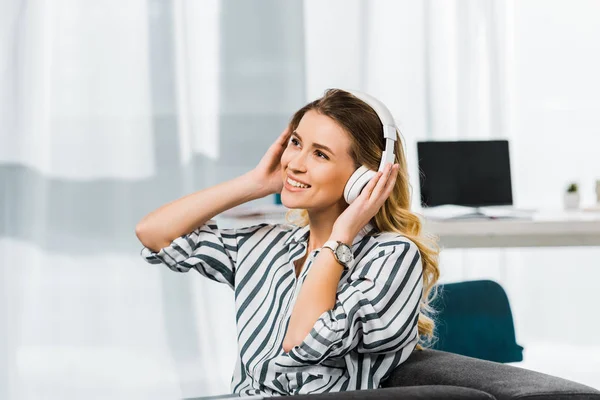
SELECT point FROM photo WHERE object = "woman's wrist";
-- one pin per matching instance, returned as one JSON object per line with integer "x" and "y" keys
{"x": 342, "y": 237}
{"x": 256, "y": 189}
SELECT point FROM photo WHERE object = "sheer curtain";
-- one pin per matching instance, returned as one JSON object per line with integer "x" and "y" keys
{"x": 79, "y": 312}
{"x": 110, "y": 109}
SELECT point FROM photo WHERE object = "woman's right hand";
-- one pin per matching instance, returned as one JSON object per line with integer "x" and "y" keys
{"x": 268, "y": 171}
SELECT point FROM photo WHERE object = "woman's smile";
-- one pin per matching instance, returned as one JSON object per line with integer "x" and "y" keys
{"x": 289, "y": 186}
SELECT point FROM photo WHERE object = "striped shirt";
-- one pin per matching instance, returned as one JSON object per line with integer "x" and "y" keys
{"x": 371, "y": 330}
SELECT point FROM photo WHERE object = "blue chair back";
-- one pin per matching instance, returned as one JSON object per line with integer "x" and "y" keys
{"x": 475, "y": 320}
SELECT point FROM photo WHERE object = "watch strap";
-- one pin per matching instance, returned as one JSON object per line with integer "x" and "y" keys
{"x": 333, "y": 245}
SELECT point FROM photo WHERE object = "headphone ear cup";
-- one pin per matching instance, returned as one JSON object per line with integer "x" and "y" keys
{"x": 357, "y": 182}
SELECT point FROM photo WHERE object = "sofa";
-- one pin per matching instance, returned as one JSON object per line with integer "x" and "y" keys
{"x": 435, "y": 374}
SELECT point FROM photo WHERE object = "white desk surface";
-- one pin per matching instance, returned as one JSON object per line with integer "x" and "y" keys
{"x": 544, "y": 229}
{"x": 547, "y": 228}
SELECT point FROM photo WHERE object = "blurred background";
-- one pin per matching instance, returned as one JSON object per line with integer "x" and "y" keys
{"x": 109, "y": 109}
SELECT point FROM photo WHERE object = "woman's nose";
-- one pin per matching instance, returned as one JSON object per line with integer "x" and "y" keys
{"x": 298, "y": 162}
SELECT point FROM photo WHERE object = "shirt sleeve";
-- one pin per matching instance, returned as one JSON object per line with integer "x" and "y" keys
{"x": 211, "y": 251}
{"x": 376, "y": 312}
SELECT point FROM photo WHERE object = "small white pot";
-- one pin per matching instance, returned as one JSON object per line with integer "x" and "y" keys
{"x": 571, "y": 201}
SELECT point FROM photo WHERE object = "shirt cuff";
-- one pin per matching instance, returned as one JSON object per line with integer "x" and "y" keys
{"x": 178, "y": 251}
{"x": 325, "y": 334}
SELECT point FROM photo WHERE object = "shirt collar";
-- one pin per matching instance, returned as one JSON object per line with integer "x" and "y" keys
{"x": 301, "y": 234}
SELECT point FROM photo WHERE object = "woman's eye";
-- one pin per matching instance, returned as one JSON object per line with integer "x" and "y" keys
{"x": 294, "y": 141}
{"x": 322, "y": 154}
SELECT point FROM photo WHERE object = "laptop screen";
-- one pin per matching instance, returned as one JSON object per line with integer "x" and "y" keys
{"x": 468, "y": 173}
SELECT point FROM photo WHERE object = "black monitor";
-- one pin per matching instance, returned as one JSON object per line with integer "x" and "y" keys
{"x": 473, "y": 173}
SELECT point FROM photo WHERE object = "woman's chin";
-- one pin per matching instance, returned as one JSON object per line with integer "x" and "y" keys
{"x": 288, "y": 203}
{"x": 288, "y": 200}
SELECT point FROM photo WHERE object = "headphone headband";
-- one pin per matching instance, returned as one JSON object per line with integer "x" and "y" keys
{"x": 389, "y": 125}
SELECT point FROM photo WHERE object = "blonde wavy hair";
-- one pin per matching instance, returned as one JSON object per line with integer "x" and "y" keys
{"x": 363, "y": 125}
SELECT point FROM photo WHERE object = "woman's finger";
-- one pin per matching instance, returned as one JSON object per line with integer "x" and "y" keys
{"x": 283, "y": 138}
{"x": 389, "y": 184}
{"x": 392, "y": 178}
{"x": 378, "y": 190}
{"x": 389, "y": 187}
{"x": 369, "y": 188}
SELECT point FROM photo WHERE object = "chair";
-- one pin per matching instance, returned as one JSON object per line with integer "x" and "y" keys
{"x": 475, "y": 320}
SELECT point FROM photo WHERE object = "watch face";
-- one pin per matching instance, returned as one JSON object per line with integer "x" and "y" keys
{"x": 344, "y": 253}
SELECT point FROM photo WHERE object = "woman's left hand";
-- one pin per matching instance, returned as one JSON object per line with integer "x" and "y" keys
{"x": 367, "y": 204}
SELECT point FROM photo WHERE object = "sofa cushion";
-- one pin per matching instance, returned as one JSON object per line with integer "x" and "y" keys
{"x": 434, "y": 367}
{"x": 432, "y": 392}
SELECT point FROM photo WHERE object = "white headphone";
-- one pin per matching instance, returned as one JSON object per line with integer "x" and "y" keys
{"x": 361, "y": 177}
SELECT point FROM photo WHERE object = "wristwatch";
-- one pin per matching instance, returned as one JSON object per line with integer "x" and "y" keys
{"x": 341, "y": 251}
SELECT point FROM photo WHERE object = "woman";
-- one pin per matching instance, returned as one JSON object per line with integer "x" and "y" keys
{"x": 312, "y": 318}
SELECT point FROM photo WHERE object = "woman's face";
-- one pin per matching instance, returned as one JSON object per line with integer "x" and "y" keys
{"x": 317, "y": 154}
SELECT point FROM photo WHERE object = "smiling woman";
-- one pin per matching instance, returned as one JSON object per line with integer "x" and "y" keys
{"x": 345, "y": 289}
{"x": 349, "y": 132}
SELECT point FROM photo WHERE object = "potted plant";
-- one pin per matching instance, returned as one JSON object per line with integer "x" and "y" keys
{"x": 572, "y": 197}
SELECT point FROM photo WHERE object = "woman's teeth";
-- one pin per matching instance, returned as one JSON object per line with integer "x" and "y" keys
{"x": 296, "y": 184}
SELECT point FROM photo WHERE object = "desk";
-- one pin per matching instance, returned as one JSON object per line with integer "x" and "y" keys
{"x": 544, "y": 229}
